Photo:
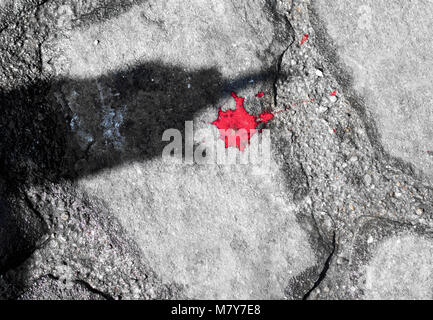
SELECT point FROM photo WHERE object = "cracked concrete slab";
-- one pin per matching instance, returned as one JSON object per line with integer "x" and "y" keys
{"x": 220, "y": 232}
{"x": 212, "y": 230}
{"x": 335, "y": 217}
{"x": 215, "y": 232}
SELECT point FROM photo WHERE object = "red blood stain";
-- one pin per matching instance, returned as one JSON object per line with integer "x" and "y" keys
{"x": 260, "y": 94}
{"x": 333, "y": 93}
{"x": 231, "y": 122}
{"x": 304, "y": 38}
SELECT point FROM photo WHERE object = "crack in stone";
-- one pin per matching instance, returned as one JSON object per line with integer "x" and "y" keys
{"x": 38, "y": 214}
{"x": 81, "y": 282}
{"x": 322, "y": 274}
{"x": 277, "y": 77}
{"x": 279, "y": 63}
{"x": 92, "y": 289}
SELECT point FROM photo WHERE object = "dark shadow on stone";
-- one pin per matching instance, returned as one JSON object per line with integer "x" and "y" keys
{"x": 68, "y": 128}
{"x": 20, "y": 231}
{"x": 71, "y": 128}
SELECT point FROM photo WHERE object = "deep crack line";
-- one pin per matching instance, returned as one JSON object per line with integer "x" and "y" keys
{"x": 279, "y": 63}
{"x": 277, "y": 76}
{"x": 37, "y": 213}
{"x": 323, "y": 272}
{"x": 94, "y": 290}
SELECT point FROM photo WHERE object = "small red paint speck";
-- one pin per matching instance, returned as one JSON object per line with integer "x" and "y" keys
{"x": 304, "y": 38}
{"x": 260, "y": 94}
{"x": 333, "y": 93}
{"x": 333, "y": 130}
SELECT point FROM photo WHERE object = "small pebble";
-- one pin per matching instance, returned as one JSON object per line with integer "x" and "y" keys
{"x": 367, "y": 179}
{"x": 322, "y": 109}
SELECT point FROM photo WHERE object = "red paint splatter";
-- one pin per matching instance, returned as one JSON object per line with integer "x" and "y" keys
{"x": 260, "y": 94}
{"x": 333, "y": 130}
{"x": 304, "y": 38}
{"x": 266, "y": 116}
{"x": 231, "y": 122}
{"x": 333, "y": 93}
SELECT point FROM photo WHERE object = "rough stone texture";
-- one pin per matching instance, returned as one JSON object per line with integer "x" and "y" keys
{"x": 400, "y": 268}
{"x": 51, "y": 289}
{"x": 113, "y": 87}
{"x": 221, "y": 233}
{"x": 21, "y": 227}
{"x": 387, "y": 50}
{"x": 388, "y": 260}
{"x": 87, "y": 89}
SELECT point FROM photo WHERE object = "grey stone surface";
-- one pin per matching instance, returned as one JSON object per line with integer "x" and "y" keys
{"x": 386, "y": 47}
{"x": 216, "y": 231}
{"x": 88, "y": 89}
{"x": 389, "y": 260}
{"x": 401, "y": 269}
{"x": 200, "y": 232}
